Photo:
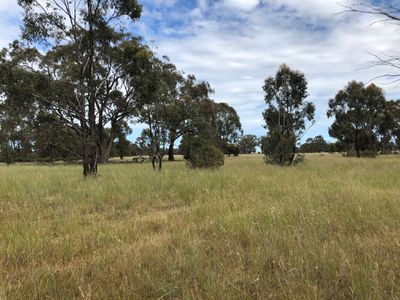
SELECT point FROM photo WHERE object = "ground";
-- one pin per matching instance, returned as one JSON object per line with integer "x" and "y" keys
{"x": 329, "y": 228}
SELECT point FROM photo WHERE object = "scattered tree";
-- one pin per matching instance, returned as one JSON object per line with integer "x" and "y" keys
{"x": 228, "y": 125}
{"x": 86, "y": 65}
{"x": 357, "y": 110}
{"x": 315, "y": 145}
{"x": 286, "y": 114}
{"x": 248, "y": 144}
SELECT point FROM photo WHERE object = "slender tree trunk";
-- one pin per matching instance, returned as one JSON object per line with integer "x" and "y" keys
{"x": 91, "y": 156}
{"x": 357, "y": 146}
{"x": 172, "y": 137}
{"x": 160, "y": 163}
{"x": 358, "y": 151}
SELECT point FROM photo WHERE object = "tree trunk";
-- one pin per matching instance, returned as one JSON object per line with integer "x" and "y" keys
{"x": 89, "y": 161}
{"x": 358, "y": 151}
{"x": 91, "y": 155}
{"x": 293, "y": 156}
{"x": 105, "y": 149}
{"x": 171, "y": 152}
{"x": 171, "y": 145}
{"x": 357, "y": 146}
{"x": 159, "y": 163}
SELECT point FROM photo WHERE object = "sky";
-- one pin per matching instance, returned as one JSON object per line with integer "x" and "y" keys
{"x": 236, "y": 44}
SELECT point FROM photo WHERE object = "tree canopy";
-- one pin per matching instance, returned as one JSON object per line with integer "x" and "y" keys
{"x": 358, "y": 111}
{"x": 286, "y": 114}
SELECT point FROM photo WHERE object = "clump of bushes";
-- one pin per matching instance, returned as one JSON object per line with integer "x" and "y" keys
{"x": 279, "y": 149}
{"x": 207, "y": 156}
{"x": 232, "y": 149}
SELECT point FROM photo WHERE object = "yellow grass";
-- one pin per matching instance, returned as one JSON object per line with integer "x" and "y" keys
{"x": 327, "y": 229}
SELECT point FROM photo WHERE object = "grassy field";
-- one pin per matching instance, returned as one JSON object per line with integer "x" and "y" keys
{"x": 327, "y": 229}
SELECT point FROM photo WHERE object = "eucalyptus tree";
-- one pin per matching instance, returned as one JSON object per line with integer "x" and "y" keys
{"x": 122, "y": 144}
{"x": 358, "y": 112}
{"x": 88, "y": 63}
{"x": 389, "y": 127}
{"x": 17, "y": 106}
{"x": 248, "y": 143}
{"x": 315, "y": 145}
{"x": 228, "y": 125}
{"x": 156, "y": 89}
{"x": 143, "y": 141}
{"x": 286, "y": 115}
{"x": 181, "y": 108}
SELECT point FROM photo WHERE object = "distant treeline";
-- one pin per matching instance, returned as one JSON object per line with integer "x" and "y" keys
{"x": 78, "y": 82}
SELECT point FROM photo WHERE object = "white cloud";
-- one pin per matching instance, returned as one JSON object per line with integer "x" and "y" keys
{"x": 242, "y": 4}
{"x": 235, "y": 55}
{"x": 307, "y": 8}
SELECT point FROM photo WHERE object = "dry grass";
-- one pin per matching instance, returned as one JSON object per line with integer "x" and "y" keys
{"x": 327, "y": 229}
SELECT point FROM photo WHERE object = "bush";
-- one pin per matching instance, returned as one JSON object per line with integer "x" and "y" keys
{"x": 207, "y": 156}
{"x": 279, "y": 148}
{"x": 232, "y": 149}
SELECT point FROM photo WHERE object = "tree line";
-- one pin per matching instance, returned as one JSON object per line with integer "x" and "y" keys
{"x": 77, "y": 82}
{"x": 365, "y": 122}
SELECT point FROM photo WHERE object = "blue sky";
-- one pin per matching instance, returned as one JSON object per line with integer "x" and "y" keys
{"x": 236, "y": 44}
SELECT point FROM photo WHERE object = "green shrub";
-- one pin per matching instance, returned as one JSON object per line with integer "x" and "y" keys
{"x": 232, "y": 149}
{"x": 279, "y": 148}
{"x": 207, "y": 156}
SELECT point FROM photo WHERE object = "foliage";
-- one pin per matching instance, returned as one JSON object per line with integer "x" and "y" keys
{"x": 88, "y": 58}
{"x": 144, "y": 142}
{"x": 279, "y": 148}
{"x": 248, "y": 143}
{"x": 6, "y": 154}
{"x": 317, "y": 144}
{"x": 156, "y": 92}
{"x": 232, "y": 149}
{"x": 206, "y": 156}
{"x": 122, "y": 145}
{"x": 286, "y": 114}
{"x": 358, "y": 112}
{"x": 227, "y": 124}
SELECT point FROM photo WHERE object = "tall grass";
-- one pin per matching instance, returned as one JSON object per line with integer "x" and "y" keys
{"x": 327, "y": 229}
